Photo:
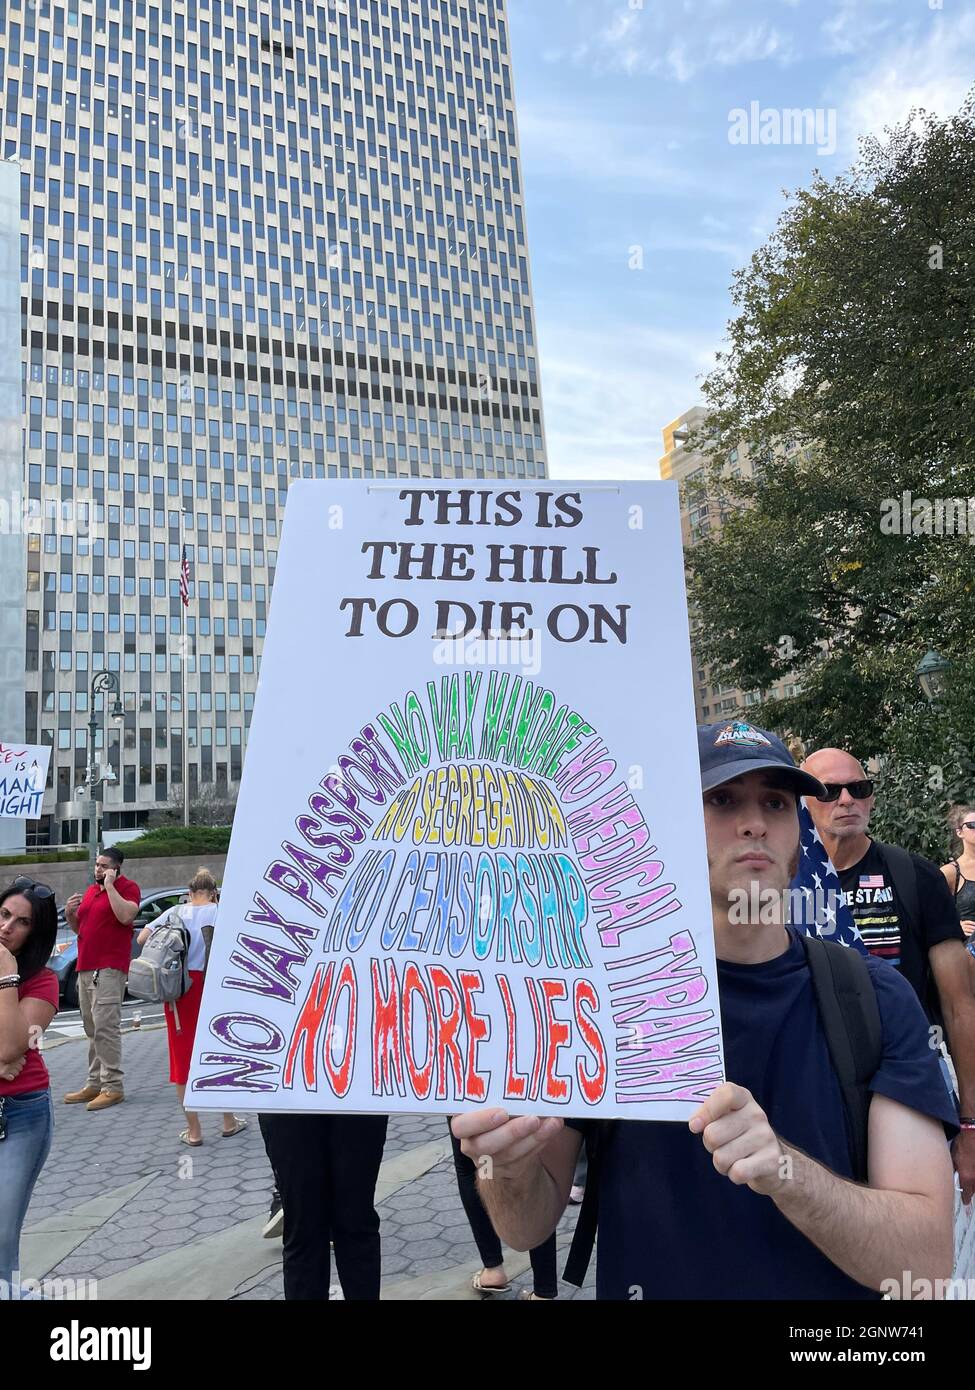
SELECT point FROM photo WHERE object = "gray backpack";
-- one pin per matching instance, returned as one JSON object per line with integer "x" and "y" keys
{"x": 161, "y": 974}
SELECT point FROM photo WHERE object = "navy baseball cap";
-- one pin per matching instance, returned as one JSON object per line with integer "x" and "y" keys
{"x": 731, "y": 749}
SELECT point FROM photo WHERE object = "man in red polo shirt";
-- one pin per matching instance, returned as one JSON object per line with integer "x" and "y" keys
{"x": 103, "y": 919}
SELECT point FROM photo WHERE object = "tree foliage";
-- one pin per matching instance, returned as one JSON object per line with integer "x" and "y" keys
{"x": 209, "y": 805}
{"x": 855, "y": 341}
{"x": 929, "y": 766}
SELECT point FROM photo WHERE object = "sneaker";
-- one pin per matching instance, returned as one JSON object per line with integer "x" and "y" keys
{"x": 576, "y": 1194}
{"x": 274, "y": 1226}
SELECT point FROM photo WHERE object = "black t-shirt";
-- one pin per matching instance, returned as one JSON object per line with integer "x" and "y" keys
{"x": 670, "y": 1226}
{"x": 964, "y": 894}
{"x": 868, "y": 892}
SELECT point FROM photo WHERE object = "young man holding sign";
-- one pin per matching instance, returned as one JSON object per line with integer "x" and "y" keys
{"x": 756, "y": 1197}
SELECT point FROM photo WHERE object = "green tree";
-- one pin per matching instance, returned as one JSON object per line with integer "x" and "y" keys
{"x": 853, "y": 342}
{"x": 928, "y": 767}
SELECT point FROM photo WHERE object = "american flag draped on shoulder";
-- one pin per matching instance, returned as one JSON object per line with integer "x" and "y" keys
{"x": 822, "y": 911}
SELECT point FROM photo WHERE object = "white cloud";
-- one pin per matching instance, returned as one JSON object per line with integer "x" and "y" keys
{"x": 932, "y": 71}
{"x": 855, "y": 27}
{"x": 571, "y": 146}
{"x": 623, "y": 24}
{"x": 757, "y": 44}
{"x": 608, "y": 393}
{"x": 681, "y": 65}
{"x": 625, "y": 46}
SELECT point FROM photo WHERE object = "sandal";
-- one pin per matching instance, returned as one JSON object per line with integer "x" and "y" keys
{"x": 530, "y": 1296}
{"x": 229, "y": 1133}
{"x": 184, "y": 1138}
{"x": 486, "y": 1290}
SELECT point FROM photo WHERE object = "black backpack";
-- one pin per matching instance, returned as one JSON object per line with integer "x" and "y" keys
{"x": 899, "y": 864}
{"x": 902, "y": 872}
{"x": 851, "y": 1021}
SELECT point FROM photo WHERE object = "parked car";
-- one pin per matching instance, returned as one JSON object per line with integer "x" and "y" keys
{"x": 64, "y": 958}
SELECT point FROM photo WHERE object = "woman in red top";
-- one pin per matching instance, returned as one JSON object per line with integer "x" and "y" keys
{"x": 197, "y": 916}
{"x": 28, "y": 1002}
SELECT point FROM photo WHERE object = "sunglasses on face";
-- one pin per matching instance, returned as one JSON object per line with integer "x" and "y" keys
{"x": 860, "y": 791}
{"x": 967, "y": 825}
{"x": 30, "y": 885}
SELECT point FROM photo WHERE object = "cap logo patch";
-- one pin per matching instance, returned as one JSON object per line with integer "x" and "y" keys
{"x": 741, "y": 735}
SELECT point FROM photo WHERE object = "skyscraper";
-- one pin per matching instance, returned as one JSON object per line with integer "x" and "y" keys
{"x": 260, "y": 241}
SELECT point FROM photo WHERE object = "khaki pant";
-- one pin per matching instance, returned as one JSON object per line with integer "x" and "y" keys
{"x": 100, "y": 994}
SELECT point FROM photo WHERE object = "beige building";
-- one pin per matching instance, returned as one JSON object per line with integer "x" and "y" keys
{"x": 700, "y": 518}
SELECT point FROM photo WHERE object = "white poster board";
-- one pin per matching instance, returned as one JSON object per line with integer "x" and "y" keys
{"x": 23, "y": 777}
{"x": 469, "y": 870}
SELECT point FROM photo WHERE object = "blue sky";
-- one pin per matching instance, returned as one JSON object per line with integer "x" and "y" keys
{"x": 624, "y": 114}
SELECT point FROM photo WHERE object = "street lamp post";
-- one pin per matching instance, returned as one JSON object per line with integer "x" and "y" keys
{"x": 932, "y": 674}
{"x": 102, "y": 683}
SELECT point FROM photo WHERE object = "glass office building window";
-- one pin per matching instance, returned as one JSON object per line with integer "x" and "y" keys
{"x": 260, "y": 242}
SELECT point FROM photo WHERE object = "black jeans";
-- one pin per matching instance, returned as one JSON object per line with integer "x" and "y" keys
{"x": 276, "y": 1195}
{"x": 543, "y": 1257}
{"x": 326, "y": 1168}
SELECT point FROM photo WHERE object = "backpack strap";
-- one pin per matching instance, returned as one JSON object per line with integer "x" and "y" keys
{"x": 584, "y": 1236}
{"x": 903, "y": 875}
{"x": 851, "y": 1021}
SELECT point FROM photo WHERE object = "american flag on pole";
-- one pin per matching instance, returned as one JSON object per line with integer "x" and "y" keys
{"x": 823, "y": 912}
{"x": 184, "y": 579}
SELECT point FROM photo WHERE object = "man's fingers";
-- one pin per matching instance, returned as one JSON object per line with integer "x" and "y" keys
{"x": 508, "y": 1141}
{"x": 477, "y": 1122}
{"x": 497, "y": 1141}
{"x": 725, "y": 1130}
{"x": 486, "y": 1155}
{"x": 756, "y": 1166}
{"x": 725, "y": 1155}
{"x": 726, "y": 1098}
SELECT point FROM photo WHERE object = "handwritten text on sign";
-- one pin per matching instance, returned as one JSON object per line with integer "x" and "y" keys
{"x": 23, "y": 774}
{"x": 472, "y": 904}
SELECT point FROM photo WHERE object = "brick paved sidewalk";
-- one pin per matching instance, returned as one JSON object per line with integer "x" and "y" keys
{"x": 192, "y": 1200}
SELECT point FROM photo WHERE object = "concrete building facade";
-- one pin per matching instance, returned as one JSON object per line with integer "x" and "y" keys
{"x": 259, "y": 241}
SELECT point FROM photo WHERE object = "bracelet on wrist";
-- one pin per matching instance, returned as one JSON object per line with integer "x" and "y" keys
{"x": 9, "y": 981}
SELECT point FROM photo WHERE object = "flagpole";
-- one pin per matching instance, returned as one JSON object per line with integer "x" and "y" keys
{"x": 186, "y": 758}
{"x": 184, "y": 657}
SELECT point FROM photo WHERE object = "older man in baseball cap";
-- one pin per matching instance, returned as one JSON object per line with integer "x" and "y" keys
{"x": 757, "y": 1196}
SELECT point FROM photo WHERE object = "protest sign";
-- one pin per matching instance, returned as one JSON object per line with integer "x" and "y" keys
{"x": 23, "y": 776}
{"x": 467, "y": 864}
